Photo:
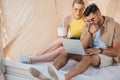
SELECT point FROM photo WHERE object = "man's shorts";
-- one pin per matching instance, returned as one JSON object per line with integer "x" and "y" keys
{"x": 105, "y": 60}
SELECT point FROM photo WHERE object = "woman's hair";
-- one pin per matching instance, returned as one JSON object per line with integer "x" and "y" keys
{"x": 91, "y": 9}
{"x": 78, "y": 1}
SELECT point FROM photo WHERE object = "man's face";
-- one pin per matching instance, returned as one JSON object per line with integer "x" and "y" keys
{"x": 78, "y": 10}
{"x": 93, "y": 18}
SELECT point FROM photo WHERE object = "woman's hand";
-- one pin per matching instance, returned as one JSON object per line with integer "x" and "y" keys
{"x": 69, "y": 34}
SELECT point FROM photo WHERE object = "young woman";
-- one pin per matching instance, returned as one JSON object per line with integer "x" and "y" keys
{"x": 73, "y": 23}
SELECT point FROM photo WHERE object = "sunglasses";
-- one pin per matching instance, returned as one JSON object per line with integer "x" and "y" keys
{"x": 78, "y": 10}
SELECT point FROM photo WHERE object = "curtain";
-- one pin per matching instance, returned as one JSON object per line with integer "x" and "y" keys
{"x": 28, "y": 26}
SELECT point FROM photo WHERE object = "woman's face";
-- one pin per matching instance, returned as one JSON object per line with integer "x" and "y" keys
{"x": 78, "y": 10}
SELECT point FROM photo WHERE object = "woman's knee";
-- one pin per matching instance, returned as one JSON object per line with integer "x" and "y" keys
{"x": 61, "y": 48}
{"x": 58, "y": 42}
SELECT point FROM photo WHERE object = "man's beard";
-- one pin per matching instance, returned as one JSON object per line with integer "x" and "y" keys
{"x": 99, "y": 23}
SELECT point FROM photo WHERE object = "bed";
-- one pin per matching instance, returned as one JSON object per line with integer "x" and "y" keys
{"x": 22, "y": 21}
{"x": 20, "y": 71}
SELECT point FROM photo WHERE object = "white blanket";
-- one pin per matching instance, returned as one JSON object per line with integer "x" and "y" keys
{"x": 107, "y": 73}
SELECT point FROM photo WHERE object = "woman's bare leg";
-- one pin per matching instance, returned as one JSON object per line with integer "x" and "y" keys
{"x": 50, "y": 56}
{"x": 46, "y": 55}
{"x": 56, "y": 44}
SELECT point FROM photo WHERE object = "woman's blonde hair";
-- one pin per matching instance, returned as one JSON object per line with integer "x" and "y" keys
{"x": 78, "y": 1}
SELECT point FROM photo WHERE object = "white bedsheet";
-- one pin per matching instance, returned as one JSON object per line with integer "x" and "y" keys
{"x": 107, "y": 73}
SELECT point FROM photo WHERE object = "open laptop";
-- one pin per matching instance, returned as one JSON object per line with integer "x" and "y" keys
{"x": 73, "y": 46}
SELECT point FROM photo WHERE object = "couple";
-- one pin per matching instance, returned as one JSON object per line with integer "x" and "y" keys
{"x": 101, "y": 40}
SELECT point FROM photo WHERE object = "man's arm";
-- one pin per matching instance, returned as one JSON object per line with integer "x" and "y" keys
{"x": 87, "y": 34}
{"x": 113, "y": 52}
{"x": 85, "y": 40}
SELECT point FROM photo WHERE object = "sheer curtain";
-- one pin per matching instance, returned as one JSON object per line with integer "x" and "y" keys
{"x": 28, "y": 26}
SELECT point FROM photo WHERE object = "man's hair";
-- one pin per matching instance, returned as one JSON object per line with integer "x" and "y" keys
{"x": 78, "y": 1}
{"x": 91, "y": 9}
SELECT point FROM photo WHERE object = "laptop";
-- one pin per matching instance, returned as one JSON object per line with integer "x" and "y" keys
{"x": 73, "y": 46}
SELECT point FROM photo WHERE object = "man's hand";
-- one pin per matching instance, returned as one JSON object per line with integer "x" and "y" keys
{"x": 92, "y": 51}
{"x": 93, "y": 28}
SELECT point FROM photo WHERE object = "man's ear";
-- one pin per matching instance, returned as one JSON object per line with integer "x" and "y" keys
{"x": 99, "y": 13}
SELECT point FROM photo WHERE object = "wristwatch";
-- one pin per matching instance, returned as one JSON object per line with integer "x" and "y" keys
{"x": 101, "y": 50}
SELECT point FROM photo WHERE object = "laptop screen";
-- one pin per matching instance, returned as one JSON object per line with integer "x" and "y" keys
{"x": 73, "y": 46}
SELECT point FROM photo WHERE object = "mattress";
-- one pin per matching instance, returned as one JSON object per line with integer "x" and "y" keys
{"x": 20, "y": 71}
{"x": 92, "y": 73}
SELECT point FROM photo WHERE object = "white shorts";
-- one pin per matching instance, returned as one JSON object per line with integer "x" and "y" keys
{"x": 105, "y": 60}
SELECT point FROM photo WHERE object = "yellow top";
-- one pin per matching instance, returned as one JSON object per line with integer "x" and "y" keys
{"x": 76, "y": 27}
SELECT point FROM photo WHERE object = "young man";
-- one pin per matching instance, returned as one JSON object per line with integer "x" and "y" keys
{"x": 100, "y": 39}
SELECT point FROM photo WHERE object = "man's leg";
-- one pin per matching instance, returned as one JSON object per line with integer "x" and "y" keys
{"x": 81, "y": 67}
{"x": 75, "y": 57}
{"x": 61, "y": 60}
